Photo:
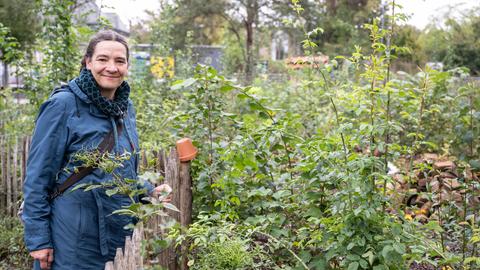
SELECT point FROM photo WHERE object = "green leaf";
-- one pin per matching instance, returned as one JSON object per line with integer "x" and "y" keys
{"x": 182, "y": 84}
{"x": 353, "y": 266}
{"x": 281, "y": 194}
{"x": 363, "y": 264}
{"x": 235, "y": 200}
{"x": 124, "y": 211}
{"x": 386, "y": 250}
{"x": 90, "y": 187}
{"x": 369, "y": 254}
{"x": 111, "y": 192}
{"x": 400, "y": 248}
{"x": 171, "y": 207}
{"x": 227, "y": 88}
{"x": 78, "y": 186}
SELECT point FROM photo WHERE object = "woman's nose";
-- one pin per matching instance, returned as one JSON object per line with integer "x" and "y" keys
{"x": 111, "y": 67}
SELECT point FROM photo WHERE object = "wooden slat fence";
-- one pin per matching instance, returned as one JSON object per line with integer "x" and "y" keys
{"x": 13, "y": 160}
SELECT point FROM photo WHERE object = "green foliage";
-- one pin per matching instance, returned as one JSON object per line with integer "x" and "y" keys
{"x": 456, "y": 44}
{"x": 217, "y": 244}
{"x": 231, "y": 254}
{"x": 464, "y": 43}
{"x": 16, "y": 119}
{"x": 58, "y": 45}
{"x": 292, "y": 174}
{"x": 22, "y": 19}
{"x": 9, "y": 47}
{"x": 13, "y": 253}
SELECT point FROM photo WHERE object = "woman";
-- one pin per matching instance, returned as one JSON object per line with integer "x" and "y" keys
{"x": 76, "y": 230}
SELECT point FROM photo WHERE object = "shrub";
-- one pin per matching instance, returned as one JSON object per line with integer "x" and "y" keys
{"x": 13, "y": 253}
{"x": 232, "y": 254}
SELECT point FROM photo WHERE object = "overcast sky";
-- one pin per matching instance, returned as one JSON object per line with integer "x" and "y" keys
{"x": 422, "y": 11}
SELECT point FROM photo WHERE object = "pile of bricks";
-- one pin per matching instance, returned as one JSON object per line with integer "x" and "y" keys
{"x": 433, "y": 181}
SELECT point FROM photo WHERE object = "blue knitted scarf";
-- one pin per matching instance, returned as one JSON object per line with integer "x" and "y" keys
{"x": 116, "y": 107}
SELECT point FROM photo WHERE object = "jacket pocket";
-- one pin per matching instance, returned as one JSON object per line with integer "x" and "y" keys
{"x": 89, "y": 222}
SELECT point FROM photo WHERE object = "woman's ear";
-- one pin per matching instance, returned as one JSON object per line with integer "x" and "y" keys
{"x": 88, "y": 63}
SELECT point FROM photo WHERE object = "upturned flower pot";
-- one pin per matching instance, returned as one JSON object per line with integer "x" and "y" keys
{"x": 186, "y": 150}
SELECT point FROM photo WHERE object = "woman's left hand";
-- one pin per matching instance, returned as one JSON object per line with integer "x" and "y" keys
{"x": 163, "y": 193}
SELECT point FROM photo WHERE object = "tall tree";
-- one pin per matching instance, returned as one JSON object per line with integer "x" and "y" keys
{"x": 464, "y": 42}
{"x": 21, "y": 18}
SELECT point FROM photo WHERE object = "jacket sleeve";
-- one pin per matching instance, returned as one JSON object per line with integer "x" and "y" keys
{"x": 45, "y": 159}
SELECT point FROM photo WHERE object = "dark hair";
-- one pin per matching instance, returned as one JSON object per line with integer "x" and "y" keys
{"x": 103, "y": 35}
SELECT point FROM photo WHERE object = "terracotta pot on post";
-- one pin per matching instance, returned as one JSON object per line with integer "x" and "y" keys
{"x": 186, "y": 150}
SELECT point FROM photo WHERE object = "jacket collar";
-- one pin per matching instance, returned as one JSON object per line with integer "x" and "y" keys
{"x": 83, "y": 97}
{"x": 79, "y": 93}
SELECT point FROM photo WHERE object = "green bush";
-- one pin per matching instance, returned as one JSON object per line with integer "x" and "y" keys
{"x": 13, "y": 253}
{"x": 232, "y": 254}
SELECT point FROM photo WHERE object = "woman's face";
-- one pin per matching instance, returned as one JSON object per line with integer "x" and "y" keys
{"x": 109, "y": 65}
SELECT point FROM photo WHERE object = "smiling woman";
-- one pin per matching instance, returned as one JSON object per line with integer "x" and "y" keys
{"x": 108, "y": 66}
{"x": 76, "y": 229}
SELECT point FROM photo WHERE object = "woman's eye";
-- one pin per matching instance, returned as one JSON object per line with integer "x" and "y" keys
{"x": 102, "y": 59}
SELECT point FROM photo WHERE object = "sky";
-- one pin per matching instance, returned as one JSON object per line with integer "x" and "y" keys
{"x": 421, "y": 11}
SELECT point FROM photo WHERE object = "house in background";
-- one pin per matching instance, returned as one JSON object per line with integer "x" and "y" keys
{"x": 90, "y": 13}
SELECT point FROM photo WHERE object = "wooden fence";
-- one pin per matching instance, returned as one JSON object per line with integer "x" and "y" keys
{"x": 13, "y": 160}
{"x": 177, "y": 175}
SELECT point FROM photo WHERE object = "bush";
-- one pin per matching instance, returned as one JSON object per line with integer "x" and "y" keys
{"x": 230, "y": 254}
{"x": 13, "y": 253}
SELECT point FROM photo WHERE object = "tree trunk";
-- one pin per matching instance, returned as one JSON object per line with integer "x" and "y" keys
{"x": 5, "y": 74}
{"x": 332, "y": 7}
{"x": 252, "y": 12}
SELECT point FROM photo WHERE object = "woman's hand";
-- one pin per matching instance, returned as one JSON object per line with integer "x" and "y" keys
{"x": 163, "y": 193}
{"x": 44, "y": 256}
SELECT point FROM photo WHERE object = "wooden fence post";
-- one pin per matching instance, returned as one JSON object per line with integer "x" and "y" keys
{"x": 15, "y": 179}
{"x": 8, "y": 179}
{"x": 168, "y": 258}
{"x": 3, "y": 182}
{"x": 185, "y": 206}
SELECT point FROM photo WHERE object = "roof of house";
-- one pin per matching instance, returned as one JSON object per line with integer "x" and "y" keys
{"x": 90, "y": 14}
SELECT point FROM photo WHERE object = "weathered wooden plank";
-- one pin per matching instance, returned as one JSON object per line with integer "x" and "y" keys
{"x": 128, "y": 254}
{"x": 137, "y": 239}
{"x": 3, "y": 181}
{"x": 155, "y": 160}
{"x": 185, "y": 191}
{"x": 118, "y": 263}
{"x": 162, "y": 162}
{"x": 21, "y": 161}
{"x": 15, "y": 180}
{"x": 172, "y": 178}
{"x": 109, "y": 266}
{"x": 167, "y": 258}
{"x": 185, "y": 206}
{"x": 8, "y": 173}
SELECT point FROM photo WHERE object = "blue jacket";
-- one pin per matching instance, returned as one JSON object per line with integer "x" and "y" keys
{"x": 78, "y": 225}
